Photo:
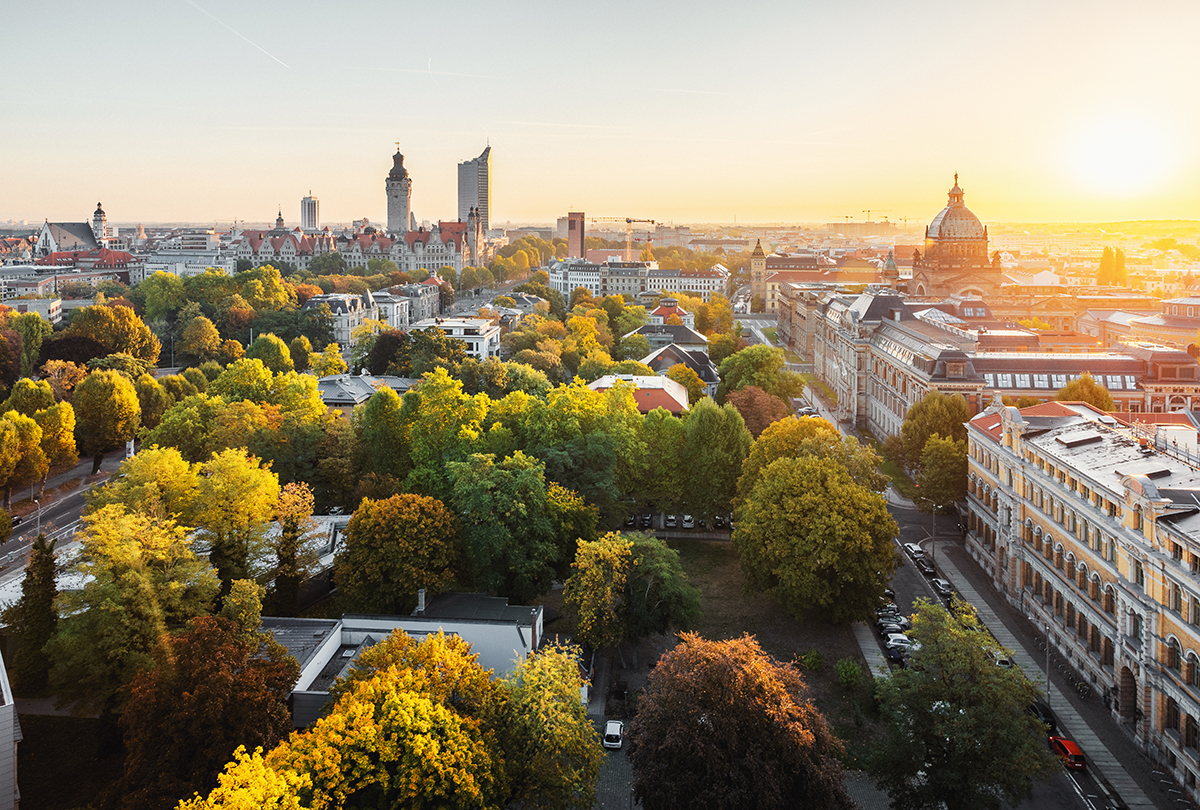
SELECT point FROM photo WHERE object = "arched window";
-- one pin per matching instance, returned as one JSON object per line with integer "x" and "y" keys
{"x": 1139, "y": 521}
{"x": 1171, "y": 720}
{"x": 1191, "y": 671}
{"x": 1174, "y": 654}
{"x": 1095, "y": 587}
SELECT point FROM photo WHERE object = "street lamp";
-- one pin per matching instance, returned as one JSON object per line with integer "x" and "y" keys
{"x": 1047, "y": 666}
{"x": 39, "y": 513}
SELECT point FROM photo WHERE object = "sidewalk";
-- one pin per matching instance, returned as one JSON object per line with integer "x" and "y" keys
{"x": 1102, "y": 741}
{"x": 22, "y": 500}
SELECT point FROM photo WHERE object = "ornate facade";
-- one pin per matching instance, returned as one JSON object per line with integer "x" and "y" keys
{"x": 399, "y": 196}
{"x": 956, "y": 260}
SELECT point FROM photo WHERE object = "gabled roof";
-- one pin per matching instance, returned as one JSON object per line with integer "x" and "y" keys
{"x": 649, "y": 392}
{"x": 672, "y": 354}
{"x": 678, "y": 332}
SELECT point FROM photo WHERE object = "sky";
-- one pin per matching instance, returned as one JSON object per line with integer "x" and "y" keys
{"x": 696, "y": 112}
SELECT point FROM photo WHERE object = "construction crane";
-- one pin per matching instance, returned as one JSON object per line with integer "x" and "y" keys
{"x": 868, "y": 211}
{"x": 628, "y": 231}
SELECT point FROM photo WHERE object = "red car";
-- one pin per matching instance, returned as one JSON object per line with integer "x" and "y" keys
{"x": 1069, "y": 753}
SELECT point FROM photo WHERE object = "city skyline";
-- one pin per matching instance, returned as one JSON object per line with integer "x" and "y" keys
{"x": 213, "y": 111}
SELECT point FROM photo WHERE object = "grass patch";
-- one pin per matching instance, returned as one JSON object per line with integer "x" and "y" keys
{"x": 771, "y": 332}
{"x": 60, "y": 764}
{"x": 894, "y": 472}
{"x": 713, "y": 567}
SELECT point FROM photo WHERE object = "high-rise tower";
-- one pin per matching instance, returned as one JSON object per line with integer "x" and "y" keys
{"x": 475, "y": 188}
{"x": 399, "y": 196}
{"x": 310, "y": 213}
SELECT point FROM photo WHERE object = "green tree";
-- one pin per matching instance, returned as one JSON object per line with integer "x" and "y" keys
{"x": 132, "y": 367}
{"x": 163, "y": 294}
{"x": 301, "y": 349}
{"x": 33, "y": 619}
{"x": 235, "y": 500}
{"x": 395, "y": 547}
{"x": 211, "y": 691}
{"x": 716, "y": 443}
{"x": 33, "y": 329}
{"x": 958, "y": 735}
{"x": 1084, "y": 388}
{"x": 29, "y": 396}
{"x": 796, "y": 438}
{"x": 383, "y": 430}
{"x": 293, "y": 560}
{"x": 507, "y": 531}
{"x": 659, "y": 595}
{"x": 118, "y": 329}
{"x": 553, "y": 750}
{"x": 595, "y": 593}
{"x": 724, "y": 345}
{"x": 942, "y": 480}
{"x": 107, "y": 411}
{"x": 142, "y": 578}
{"x": 943, "y": 414}
{"x": 153, "y": 400}
{"x": 722, "y": 724}
{"x": 762, "y": 366}
{"x": 814, "y": 540}
{"x": 444, "y": 422}
{"x": 660, "y": 481}
{"x": 200, "y": 341}
{"x": 273, "y": 353}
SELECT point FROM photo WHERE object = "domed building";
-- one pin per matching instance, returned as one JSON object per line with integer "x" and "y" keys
{"x": 956, "y": 254}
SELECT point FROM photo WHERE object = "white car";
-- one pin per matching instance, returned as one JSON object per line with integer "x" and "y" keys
{"x": 901, "y": 640}
{"x": 614, "y": 734}
{"x": 689, "y": 522}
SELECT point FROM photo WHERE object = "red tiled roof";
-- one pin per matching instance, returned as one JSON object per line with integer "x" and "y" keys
{"x": 1129, "y": 418}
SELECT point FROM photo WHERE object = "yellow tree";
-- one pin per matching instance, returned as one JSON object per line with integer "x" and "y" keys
{"x": 31, "y": 465}
{"x": 235, "y": 501}
{"x": 156, "y": 482}
{"x": 108, "y": 412}
{"x": 595, "y": 592}
{"x": 689, "y": 379}
{"x": 58, "y": 438}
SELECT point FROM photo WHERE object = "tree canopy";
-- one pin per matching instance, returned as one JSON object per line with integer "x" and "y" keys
{"x": 722, "y": 724}
{"x": 1084, "y": 388}
{"x": 943, "y": 414}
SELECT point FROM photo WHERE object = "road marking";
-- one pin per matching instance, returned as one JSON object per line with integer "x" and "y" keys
{"x": 1079, "y": 791}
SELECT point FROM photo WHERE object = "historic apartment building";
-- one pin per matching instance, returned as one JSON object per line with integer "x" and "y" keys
{"x": 1091, "y": 526}
{"x": 635, "y": 279}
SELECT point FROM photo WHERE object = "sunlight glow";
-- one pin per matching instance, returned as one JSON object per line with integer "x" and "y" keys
{"x": 1122, "y": 157}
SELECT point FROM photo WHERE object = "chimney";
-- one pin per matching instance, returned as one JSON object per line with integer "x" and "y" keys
{"x": 421, "y": 602}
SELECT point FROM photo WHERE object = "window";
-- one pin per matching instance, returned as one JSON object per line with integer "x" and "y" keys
{"x": 1130, "y": 382}
{"x": 1177, "y": 552}
{"x": 1174, "y": 656}
{"x": 1114, "y": 382}
{"x": 1041, "y": 380}
{"x": 1023, "y": 381}
{"x": 989, "y": 379}
{"x": 1058, "y": 380}
{"x": 1171, "y": 721}
{"x": 1004, "y": 381}
{"x": 1137, "y": 574}
{"x": 1176, "y": 598}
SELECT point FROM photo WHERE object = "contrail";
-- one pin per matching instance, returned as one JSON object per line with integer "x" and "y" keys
{"x": 256, "y": 45}
{"x": 428, "y": 72}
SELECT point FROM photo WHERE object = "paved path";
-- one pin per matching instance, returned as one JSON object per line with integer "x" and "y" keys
{"x": 1069, "y": 720}
{"x": 870, "y": 650}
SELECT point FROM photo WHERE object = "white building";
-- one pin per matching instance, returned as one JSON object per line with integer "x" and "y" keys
{"x": 49, "y": 308}
{"x": 349, "y": 312}
{"x": 481, "y": 336}
{"x": 475, "y": 188}
{"x": 182, "y": 263}
{"x": 310, "y": 213}
{"x": 614, "y": 277}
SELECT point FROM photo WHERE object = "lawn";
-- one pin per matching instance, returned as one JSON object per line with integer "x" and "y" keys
{"x": 771, "y": 332}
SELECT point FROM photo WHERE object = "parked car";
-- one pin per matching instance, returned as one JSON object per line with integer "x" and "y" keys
{"x": 1002, "y": 659}
{"x": 889, "y": 594}
{"x": 647, "y": 520}
{"x": 896, "y": 657}
{"x": 904, "y": 622}
{"x": 1042, "y": 712}
{"x": 1069, "y": 753}
{"x": 887, "y": 628}
{"x": 629, "y": 521}
{"x": 17, "y": 520}
{"x": 943, "y": 587}
{"x": 614, "y": 734}
{"x": 924, "y": 566}
{"x": 888, "y": 609}
{"x": 914, "y": 551}
{"x": 689, "y": 522}
{"x": 901, "y": 640}
{"x": 718, "y": 521}
{"x": 807, "y": 410}
{"x": 671, "y": 522}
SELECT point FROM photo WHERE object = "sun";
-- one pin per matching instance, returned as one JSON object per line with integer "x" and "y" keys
{"x": 1121, "y": 157}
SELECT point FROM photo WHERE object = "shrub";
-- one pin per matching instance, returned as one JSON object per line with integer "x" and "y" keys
{"x": 812, "y": 660}
{"x": 849, "y": 673}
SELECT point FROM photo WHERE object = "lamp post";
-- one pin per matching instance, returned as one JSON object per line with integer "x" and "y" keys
{"x": 1047, "y": 666}
{"x": 39, "y": 515}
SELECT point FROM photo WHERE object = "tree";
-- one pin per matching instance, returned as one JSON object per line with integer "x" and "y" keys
{"x": 33, "y": 329}
{"x": 810, "y": 436}
{"x": 156, "y": 482}
{"x": 814, "y": 540}
{"x": 661, "y": 473}
{"x": 942, "y": 480}
{"x": 689, "y": 379}
{"x": 132, "y": 367}
{"x": 235, "y": 501}
{"x": 659, "y": 595}
{"x": 163, "y": 294}
{"x": 29, "y": 396}
{"x": 724, "y": 345}
{"x": 200, "y": 341}
{"x": 716, "y": 443}
{"x": 153, "y": 400}
{"x": 63, "y": 376}
{"x": 758, "y": 408}
{"x": 383, "y": 429}
{"x": 141, "y": 579}
{"x": 301, "y": 348}
{"x": 107, "y": 411}
{"x": 33, "y": 619}
{"x": 722, "y": 724}
{"x": 595, "y": 593}
{"x": 118, "y": 330}
{"x": 209, "y": 693}
{"x": 1084, "y": 388}
{"x": 273, "y": 353}
{"x": 943, "y": 414}
{"x": 958, "y": 733}
{"x": 757, "y": 304}
{"x": 762, "y": 366}
{"x": 58, "y": 438}
{"x": 395, "y": 547}
{"x": 329, "y": 362}
{"x": 292, "y": 559}
{"x": 553, "y": 750}
{"x": 32, "y": 464}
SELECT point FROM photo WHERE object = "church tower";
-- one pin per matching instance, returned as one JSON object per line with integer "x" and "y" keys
{"x": 758, "y": 272}
{"x": 399, "y": 196}
{"x": 99, "y": 224}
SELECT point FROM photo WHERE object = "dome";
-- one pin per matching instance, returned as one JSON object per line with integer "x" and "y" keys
{"x": 956, "y": 221}
{"x": 398, "y": 171}
{"x": 99, "y": 212}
